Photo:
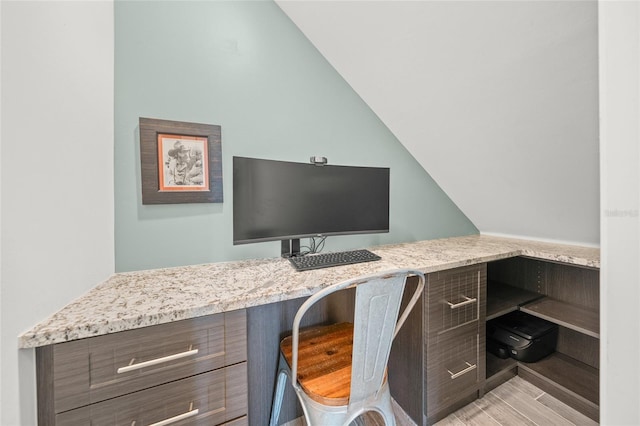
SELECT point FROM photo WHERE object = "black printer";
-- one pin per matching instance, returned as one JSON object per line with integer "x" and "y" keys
{"x": 521, "y": 336}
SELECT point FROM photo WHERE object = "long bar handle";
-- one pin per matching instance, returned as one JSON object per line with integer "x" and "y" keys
{"x": 465, "y": 371}
{"x": 151, "y": 362}
{"x": 465, "y": 302}
{"x": 178, "y": 417}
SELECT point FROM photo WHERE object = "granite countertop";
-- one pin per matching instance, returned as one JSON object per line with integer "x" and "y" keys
{"x": 137, "y": 299}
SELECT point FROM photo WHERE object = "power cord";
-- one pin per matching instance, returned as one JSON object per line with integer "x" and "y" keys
{"x": 314, "y": 246}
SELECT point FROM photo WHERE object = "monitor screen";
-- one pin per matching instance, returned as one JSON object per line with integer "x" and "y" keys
{"x": 279, "y": 200}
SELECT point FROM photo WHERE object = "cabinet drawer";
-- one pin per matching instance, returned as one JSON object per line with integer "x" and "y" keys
{"x": 453, "y": 297}
{"x": 211, "y": 398}
{"x": 453, "y": 366}
{"x": 98, "y": 368}
{"x": 242, "y": 421}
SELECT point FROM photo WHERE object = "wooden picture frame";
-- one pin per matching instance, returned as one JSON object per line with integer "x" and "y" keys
{"x": 180, "y": 162}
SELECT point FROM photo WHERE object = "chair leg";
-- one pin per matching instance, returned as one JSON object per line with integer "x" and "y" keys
{"x": 388, "y": 414}
{"x": 389, "y": 419}
{"x": 386, "y": 407}
{"x": 277, "y": 398}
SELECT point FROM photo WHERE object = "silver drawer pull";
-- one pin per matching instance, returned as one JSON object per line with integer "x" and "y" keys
{"x": 177, "y": 418}
{"x": 460, "y": 373}
{"x": 151, "y": 362}
{"x": 467, "y": 301}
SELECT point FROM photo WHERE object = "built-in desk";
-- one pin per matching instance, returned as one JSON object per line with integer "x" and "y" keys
{"x": 269, "y": 290}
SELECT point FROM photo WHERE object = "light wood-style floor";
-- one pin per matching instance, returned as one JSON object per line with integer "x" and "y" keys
{"x": 514, "y": 403}
{"x": 517, "y": 402}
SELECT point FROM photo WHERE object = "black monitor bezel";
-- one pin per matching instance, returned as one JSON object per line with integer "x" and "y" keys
{"x": 285, "y": 238}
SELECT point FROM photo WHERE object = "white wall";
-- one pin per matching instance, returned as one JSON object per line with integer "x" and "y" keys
{"x": 0, "y": 215}
{"x": 498, "y": 100}
{"x": 56, "y": 173}
{"x": 619, "y": 33}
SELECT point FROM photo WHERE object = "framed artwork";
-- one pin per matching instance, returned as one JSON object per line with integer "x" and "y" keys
{"x": 180, "y": 162}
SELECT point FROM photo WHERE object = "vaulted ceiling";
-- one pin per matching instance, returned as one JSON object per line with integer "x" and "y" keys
{"x": 497, "y": 100}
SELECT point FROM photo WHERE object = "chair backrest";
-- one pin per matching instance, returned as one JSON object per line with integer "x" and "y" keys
{"x": 376, "y": 322}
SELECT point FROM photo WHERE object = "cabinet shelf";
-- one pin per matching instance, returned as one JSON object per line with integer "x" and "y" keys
{"x": 574, "y": 317}
{"x": 571, "y": 381}
{"x": 503, "y": 298}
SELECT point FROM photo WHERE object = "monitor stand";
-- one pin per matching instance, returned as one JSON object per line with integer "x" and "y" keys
{"x": 290, "y": 248}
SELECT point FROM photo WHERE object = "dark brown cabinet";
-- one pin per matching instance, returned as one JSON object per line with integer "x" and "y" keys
{"x": 445, "y": 337}
{"x": 210, "y": 398}
{"x": 567, "y": 295}
{"x": 187, "y": 372}
{"x": 454, "y": 336}
{"x": 437, "y": 360}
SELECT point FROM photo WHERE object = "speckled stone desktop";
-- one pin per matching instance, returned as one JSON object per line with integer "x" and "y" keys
{"x": 137, "y": 299}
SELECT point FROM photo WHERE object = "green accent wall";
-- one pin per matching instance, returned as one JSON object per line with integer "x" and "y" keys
{"x": 245, "y": 66}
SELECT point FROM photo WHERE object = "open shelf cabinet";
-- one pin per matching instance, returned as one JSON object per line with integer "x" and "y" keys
{"x": 504, "y": 298}
{"x": 574, "y": 317}
{"x": 563, "y": 294}
{"x": 573, "y": 382}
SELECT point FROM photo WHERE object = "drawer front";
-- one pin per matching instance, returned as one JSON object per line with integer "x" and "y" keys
{"x": 95, "y": 369}
{"x": 211, "y": 398}
{"x": 454, "y": 297}
{"x": 454, "y": 366}
{"x": 242, "y": 421}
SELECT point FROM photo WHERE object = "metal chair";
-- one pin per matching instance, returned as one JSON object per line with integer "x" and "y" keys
{"x": 339, "y": 371}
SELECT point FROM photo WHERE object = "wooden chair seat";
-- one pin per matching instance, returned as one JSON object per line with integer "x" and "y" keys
{"x": 320, "y": 365}
{"x": 324, "y": 362}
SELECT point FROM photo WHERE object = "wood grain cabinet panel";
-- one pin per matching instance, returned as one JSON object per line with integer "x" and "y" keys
{"x": 92, "y": 370}
{"x": 242, "y": 421}
{"x": 448, "y": 332}
{"x": 568, "y": 295}
{"x": 454, "y": 336}
{"x": 453, "y": 298}
{"x": 206, "y": 399}
{"x": 453, "y": 366}
{"x": 438, "y": 360}
{"x": 83, "y": 374}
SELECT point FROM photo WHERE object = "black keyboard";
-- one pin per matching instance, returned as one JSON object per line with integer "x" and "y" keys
{"x": 325, "y": 260}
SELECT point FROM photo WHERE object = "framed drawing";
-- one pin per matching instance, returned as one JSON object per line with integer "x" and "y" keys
{"x": 180, "y": 162}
